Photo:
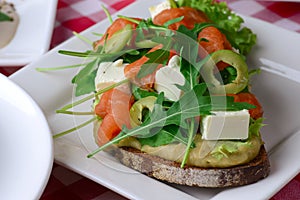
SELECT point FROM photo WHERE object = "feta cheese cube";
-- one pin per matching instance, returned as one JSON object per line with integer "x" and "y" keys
{"x": 109, "y": 73}
{"x": 166, "y": 78}
{"x": 226, "y": 125}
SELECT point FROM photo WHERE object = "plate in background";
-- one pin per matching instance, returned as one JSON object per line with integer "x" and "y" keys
{"x": 34, "y": 33}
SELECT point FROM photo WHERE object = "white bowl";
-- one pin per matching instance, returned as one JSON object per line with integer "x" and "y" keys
{"x": 26, "y": 149}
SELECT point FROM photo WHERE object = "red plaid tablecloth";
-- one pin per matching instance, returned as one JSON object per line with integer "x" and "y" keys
{"x": 77, "y": 15}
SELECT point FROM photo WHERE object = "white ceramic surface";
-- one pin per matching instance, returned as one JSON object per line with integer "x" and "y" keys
{"x": 26, "y": 149}
{"x": 34, "y": 33}
{"x": 275, "y": 89}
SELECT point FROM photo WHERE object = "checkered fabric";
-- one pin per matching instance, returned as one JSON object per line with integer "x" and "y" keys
{"x": 77, "y": 15}
{"x": 283, "y": 14}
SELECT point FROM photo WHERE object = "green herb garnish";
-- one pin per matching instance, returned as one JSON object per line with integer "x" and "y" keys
{"x": 4, "y": 17}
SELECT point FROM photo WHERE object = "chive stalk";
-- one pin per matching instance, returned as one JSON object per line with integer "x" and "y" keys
{"x": 74, "y": 128}
{"x": 74, "y": 113}
{"x": 108, "y": 15}
{"x": 41, "y": 69}
{"x": 85, "y": 39}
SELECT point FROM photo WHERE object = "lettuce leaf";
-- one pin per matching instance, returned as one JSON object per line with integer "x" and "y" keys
{"x": 255, "y": 126}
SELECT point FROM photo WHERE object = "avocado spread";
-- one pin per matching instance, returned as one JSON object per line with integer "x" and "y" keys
{"x": 206, "y": 153}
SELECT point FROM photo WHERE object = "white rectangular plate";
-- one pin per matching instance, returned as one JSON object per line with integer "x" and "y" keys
{"x": 275, "y": 53}
{"x": 34, "y": 33}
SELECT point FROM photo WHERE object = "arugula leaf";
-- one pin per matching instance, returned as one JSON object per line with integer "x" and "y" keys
{"x": 139, "y": 93}
{"x": 147, "y": 29}
{"x": 157, "y": 57}
{"x": 98, "y": 54}
{"x": 166, "y": 135}
{"x": 228, "y": 75}
{"x": 130, "y": 57}
{"x": 4, "y": 17}
{"x": 84, "y": 80}
{"x": 188, "y": 56}
{"x": 186, "y": 43}
{"x": 191, "y": 104}
{"x": 141, "y": 28}
{"x": 172, "y": 21}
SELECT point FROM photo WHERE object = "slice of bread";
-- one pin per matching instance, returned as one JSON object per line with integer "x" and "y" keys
{"x": 171, "y": 172}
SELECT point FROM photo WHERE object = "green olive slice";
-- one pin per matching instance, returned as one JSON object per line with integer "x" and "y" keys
{"x": 136, "y": 110}
{"x": 118, "y": 40}
{"x": 233, "y": 59}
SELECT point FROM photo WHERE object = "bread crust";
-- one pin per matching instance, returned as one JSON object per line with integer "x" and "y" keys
{"x": 171, "y": 172}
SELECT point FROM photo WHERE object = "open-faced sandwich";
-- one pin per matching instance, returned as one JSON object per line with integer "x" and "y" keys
{"x": 172, "y": 95}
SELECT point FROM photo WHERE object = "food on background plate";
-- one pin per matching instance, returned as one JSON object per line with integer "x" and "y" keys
{"x": 9, "y": 21}
{"x": 172, "y": 95}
